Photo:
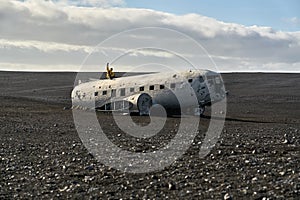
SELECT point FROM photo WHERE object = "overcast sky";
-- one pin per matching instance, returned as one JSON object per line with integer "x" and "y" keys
{"x": 231, "y": 35}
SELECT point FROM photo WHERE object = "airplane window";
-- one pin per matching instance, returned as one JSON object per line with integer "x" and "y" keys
{"x": 104, "y": 92}
{"x": 142, "y": 88}
{"x": 172, "y": 85}
{"x": 201, "y": 79}
{"x": 162, "y": 87}
{"x": 96, "y": 94}
{"x": 151, "y": 87}
{"x": 131, "y": 89}
{"x": 122, "y": 91}
{"x": 190, "y": 80}
{"x": 113, "y": 93}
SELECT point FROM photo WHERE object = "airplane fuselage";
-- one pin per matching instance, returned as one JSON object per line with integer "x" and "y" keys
{"x": 172, "y": 90}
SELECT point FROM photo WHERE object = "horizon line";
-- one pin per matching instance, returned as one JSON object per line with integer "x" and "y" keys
{"x": 76, "y": 71}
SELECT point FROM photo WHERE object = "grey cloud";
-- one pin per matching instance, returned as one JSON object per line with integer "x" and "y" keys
{"x": 46, "y": 31}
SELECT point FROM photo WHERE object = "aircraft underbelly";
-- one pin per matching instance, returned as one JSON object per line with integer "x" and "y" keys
{"x": 177, "y": 98}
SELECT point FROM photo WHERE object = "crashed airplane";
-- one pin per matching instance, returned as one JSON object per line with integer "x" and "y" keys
{"x": 186, "y": 91}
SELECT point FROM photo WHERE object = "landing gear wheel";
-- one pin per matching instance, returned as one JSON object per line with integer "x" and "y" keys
{"x": 144, "y": 103}
{"x": 200, "y": 111}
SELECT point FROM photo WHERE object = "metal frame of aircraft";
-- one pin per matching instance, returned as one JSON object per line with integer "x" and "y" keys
{"x": 185, "y": 91}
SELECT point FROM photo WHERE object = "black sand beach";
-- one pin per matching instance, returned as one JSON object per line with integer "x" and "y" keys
{"x": 257, "y": 156}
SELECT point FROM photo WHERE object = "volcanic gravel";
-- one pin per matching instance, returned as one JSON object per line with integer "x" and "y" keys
{"x": 256, "y": 157}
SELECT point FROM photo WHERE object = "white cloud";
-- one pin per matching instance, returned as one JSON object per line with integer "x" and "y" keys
{"x": 43, "y": 46}
{"x": 94, "y": 3}
{"x": 295, "y": 21}
{"x": 37, "y": 67}
{"x": 64, "y": 32}
{"x": 150, "y": 52}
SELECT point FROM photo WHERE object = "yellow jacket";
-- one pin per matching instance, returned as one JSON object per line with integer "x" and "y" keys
{"x": 109, "y": 74}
